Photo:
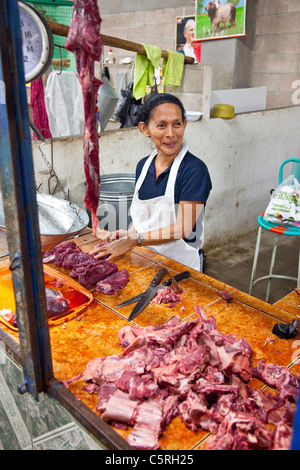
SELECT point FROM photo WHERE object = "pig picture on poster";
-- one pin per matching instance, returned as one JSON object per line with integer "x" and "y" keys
{"x": 218, "y": 19}
{"x": 186, "y": 38}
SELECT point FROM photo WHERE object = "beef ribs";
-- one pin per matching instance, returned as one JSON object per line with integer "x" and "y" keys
{"x": 120, "y": 408}
{"x": 147, "y": 427}
{"x": 85, "y": 42}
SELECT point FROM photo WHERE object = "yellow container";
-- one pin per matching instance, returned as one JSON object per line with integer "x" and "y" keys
{"x": 224, "y": 111}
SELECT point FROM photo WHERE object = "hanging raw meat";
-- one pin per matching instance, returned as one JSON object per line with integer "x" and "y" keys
{"x": 85, "y": 42}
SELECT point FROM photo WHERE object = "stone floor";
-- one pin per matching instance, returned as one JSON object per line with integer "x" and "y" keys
{"x": 232, "y": 263}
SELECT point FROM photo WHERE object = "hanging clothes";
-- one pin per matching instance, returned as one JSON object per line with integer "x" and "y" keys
{"x": 172, "y": 68}
{"x": 64, "y": 104}
{"x": 39, "y": 113}
{"x": 144, "y": 69}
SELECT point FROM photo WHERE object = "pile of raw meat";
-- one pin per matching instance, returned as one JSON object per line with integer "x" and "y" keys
{"x": 191, "y": 370}
{"x": 86, "y": 269}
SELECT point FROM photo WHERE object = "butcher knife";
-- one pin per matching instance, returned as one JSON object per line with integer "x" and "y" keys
{"x": 150, "y": 293}
{"x": 166, "y": 283}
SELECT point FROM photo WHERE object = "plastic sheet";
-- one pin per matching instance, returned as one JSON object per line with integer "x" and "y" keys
{"x": 64, "y": 104}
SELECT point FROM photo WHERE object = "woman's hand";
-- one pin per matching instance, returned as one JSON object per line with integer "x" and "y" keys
{"x": 113, "y": 245}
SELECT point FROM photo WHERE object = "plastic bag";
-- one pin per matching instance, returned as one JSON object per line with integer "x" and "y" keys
{"x": 64, "y": 104}
{"x": 284, "y": 206}
{"x": 127, "y": 108}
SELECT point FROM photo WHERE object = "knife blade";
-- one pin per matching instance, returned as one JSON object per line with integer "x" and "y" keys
{"x": 166, "y": 283}
{"x": 150, "y": 293}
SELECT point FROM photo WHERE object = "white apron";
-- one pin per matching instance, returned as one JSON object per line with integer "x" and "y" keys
{"x": 155, "y": 213}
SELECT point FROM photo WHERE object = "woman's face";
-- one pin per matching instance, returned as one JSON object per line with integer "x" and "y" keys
{"x": 166, "y": 129}
{"x": 190, "y": 33}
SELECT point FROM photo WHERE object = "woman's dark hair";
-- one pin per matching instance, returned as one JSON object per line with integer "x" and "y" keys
{"x": 156, "y": 100}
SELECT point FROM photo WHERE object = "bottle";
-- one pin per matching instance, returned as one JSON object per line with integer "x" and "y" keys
{"x": 111, "y": 58}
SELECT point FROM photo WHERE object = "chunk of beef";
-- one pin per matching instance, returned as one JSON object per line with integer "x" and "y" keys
{"x": 194, "y": 413}
{"x": 56, "y": 304}
{"x": 279, "y": 377}
{"x": 282, "y": 437}
{"x": 49, "y": 256}
{"x": 166, "y": 296}
{"x": 91, "y": 274}
{"x": 246, "y": 433}
{"x": 113, "y": 283}
{"x": 128, "y": 334}
{"x": 105, "y": 392}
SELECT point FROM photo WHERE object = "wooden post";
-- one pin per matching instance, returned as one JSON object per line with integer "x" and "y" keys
{"x": 62, "y": 30}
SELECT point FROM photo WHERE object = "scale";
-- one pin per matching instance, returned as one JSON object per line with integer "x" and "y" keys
{"x": 37, "y": 42}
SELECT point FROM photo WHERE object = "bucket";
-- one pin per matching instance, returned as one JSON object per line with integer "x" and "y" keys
{"x": 116, "y": 193}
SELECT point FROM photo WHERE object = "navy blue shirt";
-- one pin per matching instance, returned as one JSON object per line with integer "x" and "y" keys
{"x": 192, "y": 183}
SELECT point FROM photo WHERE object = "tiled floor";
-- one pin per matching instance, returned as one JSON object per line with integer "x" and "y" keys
{"x": 232, "y": 263}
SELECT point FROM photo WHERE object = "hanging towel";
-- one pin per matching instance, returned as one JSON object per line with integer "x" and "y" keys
{"x": 64, "y": 104}
{"x": 144, "y": 69}
{"x": 39, "y": 113}
{"x": 172, "y": 68}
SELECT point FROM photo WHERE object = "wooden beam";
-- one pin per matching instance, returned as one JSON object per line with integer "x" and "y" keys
{"x": 110, "y": 41}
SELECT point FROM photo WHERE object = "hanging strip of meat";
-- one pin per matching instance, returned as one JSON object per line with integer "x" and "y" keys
{"x": 85, "y": 42}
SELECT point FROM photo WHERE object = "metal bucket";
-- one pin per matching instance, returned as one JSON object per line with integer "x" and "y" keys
{"x": 58, "y": 219}
{"x": 116, "y": 193}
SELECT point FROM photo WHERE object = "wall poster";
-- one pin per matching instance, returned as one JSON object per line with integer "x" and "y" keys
{"x": 218, "y": 19}
{"x": 186, "y": 37}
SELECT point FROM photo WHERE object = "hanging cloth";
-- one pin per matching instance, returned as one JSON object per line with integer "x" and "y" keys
{"x": 39, "y": 113}
{"x": 172, "y": 69}
{"x": 144, "y": 69}
{"x": 64, "y": 104}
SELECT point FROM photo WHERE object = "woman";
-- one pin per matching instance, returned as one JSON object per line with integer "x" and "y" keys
{"x": 172, "y": 187}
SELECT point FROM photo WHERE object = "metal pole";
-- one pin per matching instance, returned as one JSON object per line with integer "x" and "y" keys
{"x": 20, "y": 207}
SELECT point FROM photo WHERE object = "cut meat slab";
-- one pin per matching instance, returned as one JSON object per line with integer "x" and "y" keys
{"x": 86, "y": 269}
{"x": 113, "y": 283}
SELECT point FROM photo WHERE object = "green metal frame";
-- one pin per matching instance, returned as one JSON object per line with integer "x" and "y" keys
{"x": 52, "y": 2}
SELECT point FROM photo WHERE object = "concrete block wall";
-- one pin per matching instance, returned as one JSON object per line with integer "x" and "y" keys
{"x": 268, "y": 56}
{"x": 243, "y": 156}
{"x": 151, "y": 27}
{"x": 276, "y": 54}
